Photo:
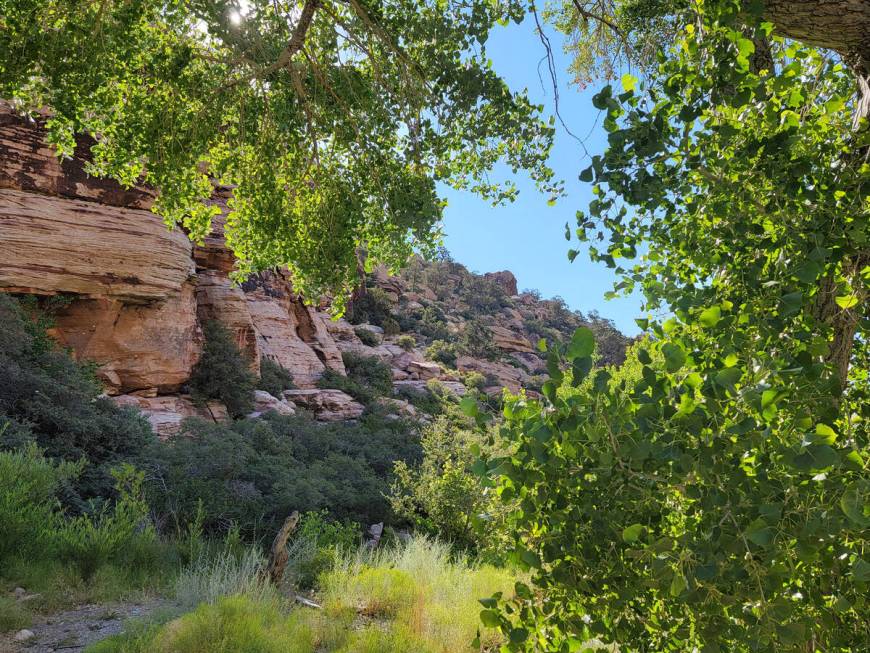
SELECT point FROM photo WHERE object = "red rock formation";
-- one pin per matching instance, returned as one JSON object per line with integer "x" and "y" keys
{"x": 505, "y": 279}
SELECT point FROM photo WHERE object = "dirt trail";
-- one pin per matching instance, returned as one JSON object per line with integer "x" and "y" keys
{"x": 71, "y": 631}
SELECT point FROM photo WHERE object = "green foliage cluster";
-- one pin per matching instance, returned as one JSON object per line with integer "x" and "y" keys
{"x": 42, "y": 546}
{"x": 223, "y": 373}
{"x": 406, "y": 341}
{"x": 476, "y": 340}
{"x": 373, "y": 307}
{"x": 367, "y": 337}
{"x": 443, "y": 352}
{"x": 367, "y": 378}
{"x": 717, "y": 498}
{"x": 49, "y": 399}
{"x": 332, "y": 124}
{"x": 274, "y": 378}
{"x": 253, "y": 473}
{"x": 441, "y": 496}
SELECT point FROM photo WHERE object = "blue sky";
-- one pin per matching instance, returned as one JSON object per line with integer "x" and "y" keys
{"x": 527, "y": 236}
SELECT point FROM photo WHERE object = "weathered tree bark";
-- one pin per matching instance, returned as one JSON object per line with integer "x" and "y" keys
{"x": 278, "y": 556}
{"x": 841, "y": 25}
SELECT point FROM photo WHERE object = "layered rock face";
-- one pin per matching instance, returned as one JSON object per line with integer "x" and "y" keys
{"x": 135, "y": 295}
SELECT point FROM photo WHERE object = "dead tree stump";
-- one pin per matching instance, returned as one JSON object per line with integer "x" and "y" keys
{"x": 278, "y": 556}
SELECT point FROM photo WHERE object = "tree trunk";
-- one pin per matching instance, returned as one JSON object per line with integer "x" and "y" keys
{"x": 842, "y": 26}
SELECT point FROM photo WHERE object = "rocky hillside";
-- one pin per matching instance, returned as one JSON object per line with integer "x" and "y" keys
{"x": 132, "y": 297}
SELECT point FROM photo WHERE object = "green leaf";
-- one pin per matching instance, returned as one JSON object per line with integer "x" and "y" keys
{"x": 861, "y": 570}
{"x": 847, "y": 301}
{"x": 678, "y": 585}
{"x": 490, "y": 618}
{"x": 728, "y": 377}
{"x": 675, "y": 356}
{"x": 586, "y": 174}
{"x": 759, "y": 532}
{"x": 582, "y": 343}
{"x": 518, "y": 635}
{"x": 531, "y": 559}
{"x": 468, "y": 405}
{"x": 710, "y": 317}
{"x": 855, "y": 503}
{"x": 629, "y": 82}
{"x": 632, "y": 533}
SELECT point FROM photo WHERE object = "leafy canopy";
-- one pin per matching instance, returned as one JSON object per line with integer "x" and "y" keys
{"x": 713, "y": 494}
{"x": 331, "y": 120}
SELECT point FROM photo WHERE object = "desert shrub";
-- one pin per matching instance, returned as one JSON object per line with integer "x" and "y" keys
{"x": 475, "y": 381}
{"x": 367, "y": 378}
{"x": 28, "y": 500}
{"x": 476, "y": 340}
{"x": 48, "y": 398}
{"x": 369, "y": 371}
{"x": 391, "y": 326}
{"x": 367, "y": 336}
{"x": 406, "y": 342}
{"x": 316, "y": 545}
{"x": 433, "y": 323}
{"x": 441, "y": 351}
{"x": 222, "y": 372}
{"x": 274, "y": 377}
{"x": 90, "y": 541}
{"x": 441, "y": 496}
{"x": 256, "y": 472}
{"x": 373, "y": 307}
{"x": 212, "y": 577}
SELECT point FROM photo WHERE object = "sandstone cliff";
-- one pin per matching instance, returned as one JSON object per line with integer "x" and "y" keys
{"x": 135, "y": 295}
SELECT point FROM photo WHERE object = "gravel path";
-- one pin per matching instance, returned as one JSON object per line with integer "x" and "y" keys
{"x": 72, "y": 630}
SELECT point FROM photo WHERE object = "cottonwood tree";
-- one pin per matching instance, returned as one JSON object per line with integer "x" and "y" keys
{"x": 713, "y": 494}
{"x": 331, "y": 119}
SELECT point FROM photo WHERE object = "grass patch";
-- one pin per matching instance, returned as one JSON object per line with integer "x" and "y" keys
{"x": 412, "y": 597}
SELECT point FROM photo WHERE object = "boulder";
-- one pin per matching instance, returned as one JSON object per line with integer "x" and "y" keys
{"x": 328, "y": 405}
{"x": 508, "y": 340}
{"x": 399, "y": 407}
{"x": 23, "y": 635}
{"x": 424, "y": 369}
{"x": 264, "y": 402}
{"x": 167, "y": 413}
{"x": 505, "y": 279}
{"x": 149, "y": 346}
{"x": 507, "y": 376}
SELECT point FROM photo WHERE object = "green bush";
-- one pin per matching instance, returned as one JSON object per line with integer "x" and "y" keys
{"x": 256, "y": 472}
{"x": 406, "y": 342}
{"x": 368, "y": 378}
{"x": 223, "y": 373}
{"x": 317, "y": 544}
{"x": 476, "y": 340}
{"x": 91, "y": 541}
{"x": 475, "y": 381}
{"x": 29, "y": 511}
{"x": 433, "y": 323}
{"x": 49, "y": 399}
{"x": 442, "y": 352}
{"x": 274, "y": 378}
{"x": 374, "y": 306}
{"x": 391, "y": 326}
{"x": 367, "y": 336}
{"x": 441, "y": 496}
